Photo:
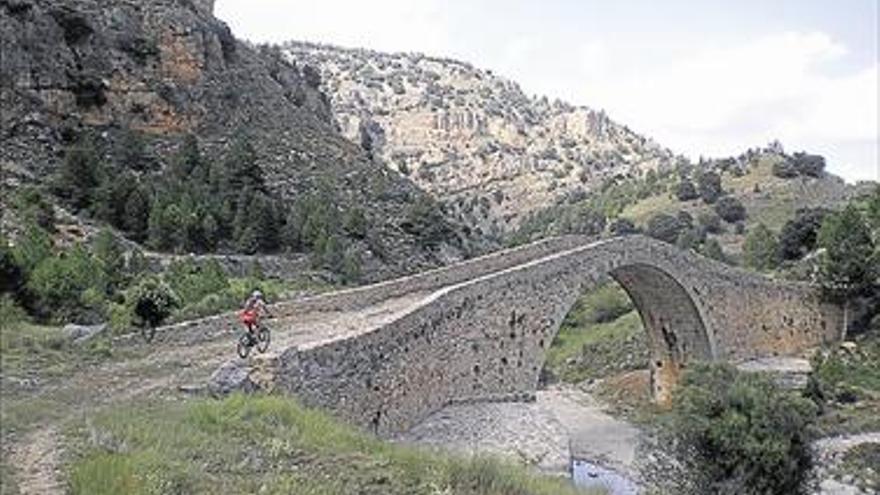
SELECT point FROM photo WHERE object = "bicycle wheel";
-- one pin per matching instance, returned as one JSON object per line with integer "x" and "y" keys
{"x": 264, "y": 336}
{"x": 244, "y": 346}
{"x": 148, "y": 332}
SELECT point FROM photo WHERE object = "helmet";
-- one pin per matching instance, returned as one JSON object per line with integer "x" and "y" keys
{"x": 257, "y": 294}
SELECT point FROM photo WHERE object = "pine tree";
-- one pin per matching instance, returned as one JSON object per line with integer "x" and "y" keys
{"x": 247, "y": 241}
{"x": 210, "y": 231}
{"x": 332, "y": 254}
{"x": 32, "y": 204}
{"x": 761, "y": 248}
{"x": 709, "y": 184}
{"x": 848, "y": 264}
{"x": 351, "y": 268}
{"x": 132, "y": 152}
{"x": 187, "y": 164}
{"x": 873, "y": 213}
{"x": 32, "y": 248}
{"x": 136, "y": 213}
{"x": 80, "y": 175}
{"x": 173, "y": 224}
{"x": 264, "y": 218}
{"x": 241, "y": 170}
{"x": 108, "y": 254}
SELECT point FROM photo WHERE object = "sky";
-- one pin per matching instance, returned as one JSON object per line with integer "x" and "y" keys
{"x": 709, "y": 78}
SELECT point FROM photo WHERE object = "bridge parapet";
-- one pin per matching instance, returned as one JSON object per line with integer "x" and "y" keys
{"x": 485, "y": 335}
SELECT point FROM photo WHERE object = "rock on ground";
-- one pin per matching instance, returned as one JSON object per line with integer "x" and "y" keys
{"x": 233, "y": 376}
{"x": 83, "y": 333}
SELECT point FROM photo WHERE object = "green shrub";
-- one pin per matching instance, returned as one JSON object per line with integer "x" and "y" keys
{"x": 192, "y": 281}
{"x": 730, "y": 209}
{"x": 209, "y": 305}
{"x": 664, "y": 227}
{"x": 710, "y": 222}
{"x": 712, "y": 249}
{"x": 686, "y": 191}
{"x": 34, "y": 208}
{"x": 152, "y": 301}
{"x": 11, "y": 273}
{"x": 425, "y": 221}
{"x": 80, "y": 175}
{"x": 761, "y": 249}
{"x": 32, "y": 248}
{"x": 59, "y": 283}
{"x": 108, "y": 252}
{"x": 121, "y": 317}
{"x": 709, "y": 184}
{"x": 10, "y": 312}
{"x": 809, "y": 165}
{"x": 849, "y": 259}
{"x": 607, "y": 303}
{"x": 785, "y": 169}
{"x": 690, "y": 238}
{"x": 623, "y": 226}
{"x": 873, "y": 212}
{"x": 738, "y": 433}
{"x": 799, "y": 235}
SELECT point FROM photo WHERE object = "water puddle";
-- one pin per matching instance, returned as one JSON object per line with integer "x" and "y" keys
{"x": 588, "y": 475}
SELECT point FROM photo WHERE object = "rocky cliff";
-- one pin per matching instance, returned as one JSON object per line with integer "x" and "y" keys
{"x": 165, "y": 69}
{"x": 472, "y": 138}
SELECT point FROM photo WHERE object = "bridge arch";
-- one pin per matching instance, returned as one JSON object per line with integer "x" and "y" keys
{"x": 482, "y": 334}
{"x": 672, "y": 319}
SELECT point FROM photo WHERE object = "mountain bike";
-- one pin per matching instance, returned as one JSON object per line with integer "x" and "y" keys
{"x": 148, "y": 332}
{"x": 259, "y": 338}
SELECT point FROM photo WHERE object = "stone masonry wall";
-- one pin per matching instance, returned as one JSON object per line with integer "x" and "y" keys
{"x": 361, "y": 297}
{"x": 485, "y": 337}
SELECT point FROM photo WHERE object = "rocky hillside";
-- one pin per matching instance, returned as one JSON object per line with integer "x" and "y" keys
{"x": 166, "y": 69}
{"x": 471, "y": 138}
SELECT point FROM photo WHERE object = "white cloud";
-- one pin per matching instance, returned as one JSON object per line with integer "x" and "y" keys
{"x": 722, "y": 99}
{"x": 714, "y": 96}
{"x": 378, "y": 24}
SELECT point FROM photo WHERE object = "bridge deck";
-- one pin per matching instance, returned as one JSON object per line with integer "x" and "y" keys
{"x": 316, "y": 327}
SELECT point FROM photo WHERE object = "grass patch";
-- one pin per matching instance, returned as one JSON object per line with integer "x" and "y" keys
{"x": 270, "y": 445}
{"x": 641, "y": 211}
{"x": 45, "y": 352}
{"x": 600, "y": 336}
{"x": 847, "y": 382}
{"x": 768, "y": 199}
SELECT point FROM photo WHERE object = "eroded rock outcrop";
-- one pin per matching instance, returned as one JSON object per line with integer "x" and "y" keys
{"x": 471, "y": 138}
{"x": 165, "y": 69}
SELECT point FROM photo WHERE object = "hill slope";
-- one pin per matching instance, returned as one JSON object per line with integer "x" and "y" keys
{"x": 471, "y": 138}
{"x": 165, "y": 69}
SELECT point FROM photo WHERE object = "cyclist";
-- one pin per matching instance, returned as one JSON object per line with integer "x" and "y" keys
{"x": 254, "y": 309}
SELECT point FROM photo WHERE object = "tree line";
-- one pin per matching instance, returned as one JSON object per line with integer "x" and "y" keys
{"x": 197, "y": 205}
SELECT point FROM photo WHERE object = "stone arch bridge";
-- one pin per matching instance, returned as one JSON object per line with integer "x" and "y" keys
{"x": 479, "y": 330}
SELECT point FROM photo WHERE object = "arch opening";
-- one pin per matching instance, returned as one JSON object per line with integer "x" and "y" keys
{"x": 676, "y": 332}
{"x": 647, "y": 312}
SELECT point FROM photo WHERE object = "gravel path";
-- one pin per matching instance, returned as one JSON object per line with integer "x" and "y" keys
{"x": 37, "y": 454}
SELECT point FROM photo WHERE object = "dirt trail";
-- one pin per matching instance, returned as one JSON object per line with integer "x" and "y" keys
{"x": 164, "y": 366}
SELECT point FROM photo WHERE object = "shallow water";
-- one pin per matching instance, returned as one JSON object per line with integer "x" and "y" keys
{"x": 588, "y": 475}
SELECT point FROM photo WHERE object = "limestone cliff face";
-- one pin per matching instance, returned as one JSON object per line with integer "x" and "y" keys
{"x": 167, "y": 68}
{"x": 471, "y": 138}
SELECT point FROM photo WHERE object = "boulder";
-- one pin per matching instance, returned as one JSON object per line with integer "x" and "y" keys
{"x": 80, "y": 334}
{"x": 233, "y": 376}
{"x": 788, "y": 372}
